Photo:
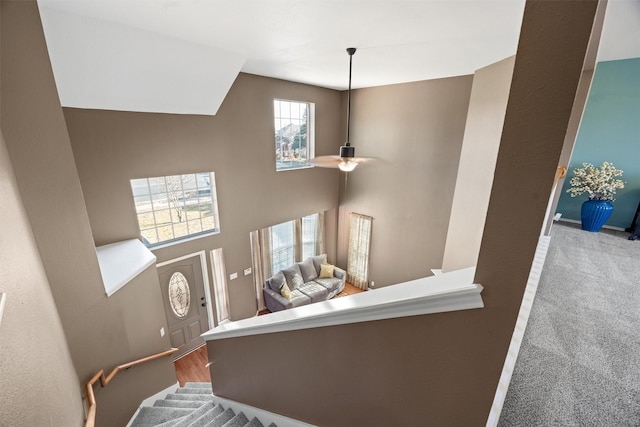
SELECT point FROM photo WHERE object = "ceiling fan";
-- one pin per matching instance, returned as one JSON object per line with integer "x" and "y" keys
{"x": 346, "y": 161}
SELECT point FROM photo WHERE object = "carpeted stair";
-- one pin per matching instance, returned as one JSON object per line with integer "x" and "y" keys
{"x": 191, "y": 406}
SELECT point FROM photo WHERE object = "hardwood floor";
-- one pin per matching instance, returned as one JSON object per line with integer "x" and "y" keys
{"x": 349, "y": 289}
{"x": 193, "y": 367}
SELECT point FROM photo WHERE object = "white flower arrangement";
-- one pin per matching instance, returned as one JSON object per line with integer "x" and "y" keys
{"x": 600, "y": 183}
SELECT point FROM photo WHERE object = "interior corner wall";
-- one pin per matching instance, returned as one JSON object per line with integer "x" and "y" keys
{"x": 487, "y": 107}
{"x": 237, "y": 144}
{"x": 415, "y": 132}
{"x": 609, "y": 132}
{"x": 100, "y": 332}
{"x": 38, "y": 383}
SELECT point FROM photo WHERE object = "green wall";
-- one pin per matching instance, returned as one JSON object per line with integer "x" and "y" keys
{"x": 610, "y": 131}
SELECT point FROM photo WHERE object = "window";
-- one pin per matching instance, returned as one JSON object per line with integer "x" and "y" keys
{"x": 170, "y": 208}
{"x": 282, "y": 245}
{"x": 294, "y": 131}
{"x": 279, "y": 246}
{"x": 310, "y": 236}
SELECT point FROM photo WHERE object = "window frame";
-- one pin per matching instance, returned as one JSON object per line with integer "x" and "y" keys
{"x": 310, "y": 126}
{"x": 206, "y": 198}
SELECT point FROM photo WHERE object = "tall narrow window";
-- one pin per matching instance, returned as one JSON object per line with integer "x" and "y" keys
{"x": 294, "y": 133}
{"x": 282, "y": 245}
{"x": 358, "y": 254}
{"x": 170, "y": 208}
{"x": 310, "y": 235}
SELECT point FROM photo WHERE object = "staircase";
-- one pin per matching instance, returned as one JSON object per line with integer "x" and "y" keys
{"x": 191, "y": 406}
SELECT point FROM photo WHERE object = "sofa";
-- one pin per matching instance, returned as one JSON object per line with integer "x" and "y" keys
{"x": 303, "y": 283}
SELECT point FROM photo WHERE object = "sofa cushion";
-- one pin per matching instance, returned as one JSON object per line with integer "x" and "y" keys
{"x": 329, "y": 283}
{"x": 317, "y": 260}
{"x": 277, "y": 281}
{"x": 308, "y": 270}
{"x": 326, "y": 271}
{"x": 298, "y": 299}
{"x": 315, "y": 291}
{"x": 285, "y": 292}
{"x": 290, "y": 274}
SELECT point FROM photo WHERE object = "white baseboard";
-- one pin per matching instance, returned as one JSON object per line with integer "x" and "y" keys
{"x": 518, "y": 332}
{"x": 3, "y": 298}
{"x": 575, "y": 221}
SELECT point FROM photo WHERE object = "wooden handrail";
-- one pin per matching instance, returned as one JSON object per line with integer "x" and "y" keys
{"x": 91, "y": 398}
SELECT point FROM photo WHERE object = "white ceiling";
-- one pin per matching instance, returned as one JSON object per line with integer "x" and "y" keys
{"x": 182, "y": 56}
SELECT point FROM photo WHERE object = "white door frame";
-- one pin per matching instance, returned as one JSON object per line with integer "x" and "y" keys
{"x": 205, "y": 280}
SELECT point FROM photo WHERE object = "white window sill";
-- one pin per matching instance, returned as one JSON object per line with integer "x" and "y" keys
{"x": 183, "y": 240}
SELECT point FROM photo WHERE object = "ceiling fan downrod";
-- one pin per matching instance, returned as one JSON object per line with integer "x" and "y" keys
{"x": 347, "y": 150}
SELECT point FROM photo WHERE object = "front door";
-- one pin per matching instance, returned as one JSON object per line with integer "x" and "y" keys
{"x": 184, "y": 303}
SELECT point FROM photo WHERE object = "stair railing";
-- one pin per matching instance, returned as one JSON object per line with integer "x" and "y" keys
{"x": 91, "y": 398}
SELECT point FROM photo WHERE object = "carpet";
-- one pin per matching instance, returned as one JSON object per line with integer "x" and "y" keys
{"x": 579, "y": 363}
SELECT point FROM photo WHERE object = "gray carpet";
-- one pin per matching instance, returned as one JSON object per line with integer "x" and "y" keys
{"x": 191, "y": 406}
{"x": 579, "y": 363}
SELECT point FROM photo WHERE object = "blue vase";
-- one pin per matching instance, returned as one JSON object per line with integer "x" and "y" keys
{"x": 595, "y": 213}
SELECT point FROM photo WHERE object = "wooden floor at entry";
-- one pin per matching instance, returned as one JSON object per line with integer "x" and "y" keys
{"x": 193, "y": 366}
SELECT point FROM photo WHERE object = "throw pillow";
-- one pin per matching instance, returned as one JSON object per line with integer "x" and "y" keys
{"x": 326, "y": 271}
{"x": 289, "y": 273}
{"x": 308, "y": 270}
{"x": 319, "y": 260}
{"x": 277, "y": 281}
{"x": 296, "y": 282}
{"x": 285, "y": 292}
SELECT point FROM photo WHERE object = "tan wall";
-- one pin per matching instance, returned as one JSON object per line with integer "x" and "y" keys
{"x": 38, "y": 384}
{"x": 416, "y": 131}
{"x": 440, "y": 369}
{"x": 237, "y": 144}
{"x": 485, "y": 118}
{"x": 101, "y": 332}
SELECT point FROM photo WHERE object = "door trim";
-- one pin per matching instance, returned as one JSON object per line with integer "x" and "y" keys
{"x": 205, "y": 280}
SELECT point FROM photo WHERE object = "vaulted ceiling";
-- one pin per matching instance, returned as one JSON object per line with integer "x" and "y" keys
{"x": 182, "y": 56}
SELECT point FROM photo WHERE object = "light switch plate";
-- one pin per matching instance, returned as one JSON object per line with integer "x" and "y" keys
{"x": 247, "y": 271}
{"x": 233, "y": 276}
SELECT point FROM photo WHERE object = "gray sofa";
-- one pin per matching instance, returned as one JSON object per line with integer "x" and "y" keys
{"x": 305, "y": 285}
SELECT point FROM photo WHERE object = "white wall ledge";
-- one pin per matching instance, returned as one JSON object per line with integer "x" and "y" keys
{"x": 450, "y": 291}
{"x": 120, "y": 262}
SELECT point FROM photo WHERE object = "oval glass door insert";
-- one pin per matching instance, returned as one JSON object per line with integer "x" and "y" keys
{"x": 179, "y": 294}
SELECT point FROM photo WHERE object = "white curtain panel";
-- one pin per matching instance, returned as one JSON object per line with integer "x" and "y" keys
{"x": 220, "y": 290}
{"x": 359, "y": 244}
{"x": 261, "y": 260}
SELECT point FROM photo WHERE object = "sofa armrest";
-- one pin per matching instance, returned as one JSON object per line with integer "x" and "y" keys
{"x": 339, "y": 273}
{"x": 285, "y": 303}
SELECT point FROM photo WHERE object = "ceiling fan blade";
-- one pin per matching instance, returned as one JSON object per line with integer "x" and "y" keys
{"x": 325, "y": 161}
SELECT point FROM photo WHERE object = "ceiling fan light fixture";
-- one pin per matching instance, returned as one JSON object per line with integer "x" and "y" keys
{"x": 347, "y": 165}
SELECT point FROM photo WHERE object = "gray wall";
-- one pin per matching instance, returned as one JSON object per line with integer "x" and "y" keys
{"x": 440, "y": 369}
{"x": 100, "y": 332}
{"x": 483, "y": 130}
{"x": 237, "y": 144}
{"x": 37, "y": 371}
{"x": 415, "y": 130}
